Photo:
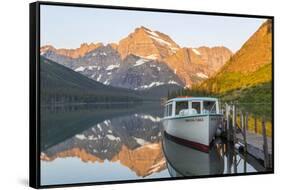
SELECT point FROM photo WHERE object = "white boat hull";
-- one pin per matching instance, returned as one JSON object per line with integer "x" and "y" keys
{"x": 199, "y": 129}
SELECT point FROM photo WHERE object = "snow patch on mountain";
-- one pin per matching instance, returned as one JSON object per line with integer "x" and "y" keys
{"x": 161, "y": 41}
{"x": 152, "y": 56}
{"x": 80, "y": 137}
{"x": 99, "y": 127}
{"x": 140, "y": 62}
{"x": 153, "y": 119}
{"x": 106, "y": 122}
{"x": 111, "y": 67}
{"x": 174, "y": 49}
{"x": 156, "y": 83}
{"x": 98, "y": 79}
{"x": 173, "y": 82}
{"x": 196, "y": 51}
{"x": 106, "y": 82}
{"x": 140, "y": 141}
{"x": 152, "y": 33}
{"x": 80, "y": 69}
{"x": 92, "y": 67}
{"x": 113, "y": 138}
{"x": 202, "y": 75}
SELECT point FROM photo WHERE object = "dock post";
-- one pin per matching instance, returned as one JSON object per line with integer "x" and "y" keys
{"x": 242, "y": 123}
{"x": 229, "y": 155}
{"x": 223, "y": 121}
{"x": 227, "y": 110}
{"x": 234, "y": 136}
{"x": 235, "y": 162}
{"x": 234, "y": 123}
{"x": 255, "y": 124}
{"x": 246, "y": 120}
{"x": 265, "y": 145}
{"x": 245, "y": 128}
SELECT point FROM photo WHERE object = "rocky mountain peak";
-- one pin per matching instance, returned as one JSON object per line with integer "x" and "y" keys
{"x": 147, "y": 43}
{"x": 71, "y": 53}
{"x": 46, "y": 48}
{"x": 194, "y": 65}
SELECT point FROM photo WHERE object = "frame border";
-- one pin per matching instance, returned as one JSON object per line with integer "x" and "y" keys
{"x": 34, "y": 92}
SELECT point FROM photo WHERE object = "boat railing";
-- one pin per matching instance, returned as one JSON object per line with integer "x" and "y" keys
{"x": 212, "y": 109}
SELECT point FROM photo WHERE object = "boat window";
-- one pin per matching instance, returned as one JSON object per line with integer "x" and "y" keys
{"x": 181, "y": 106}
{"x": 170, "y": 106}
{"x": 196, "y": 106}
{"x": 209, "y": 107}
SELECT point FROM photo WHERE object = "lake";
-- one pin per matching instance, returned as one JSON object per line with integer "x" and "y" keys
{"x": 111, "y": 142}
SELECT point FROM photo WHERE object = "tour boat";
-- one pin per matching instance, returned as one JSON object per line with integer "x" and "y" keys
{"x": 193, "y": 119}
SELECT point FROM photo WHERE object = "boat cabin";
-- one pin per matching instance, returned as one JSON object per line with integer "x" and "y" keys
{"x": 185, "y": 106}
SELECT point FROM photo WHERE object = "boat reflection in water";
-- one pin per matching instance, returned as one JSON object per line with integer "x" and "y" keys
{"x": 184, "y": 161}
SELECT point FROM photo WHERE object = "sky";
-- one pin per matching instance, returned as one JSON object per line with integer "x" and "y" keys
{"x": 68, "y": 27}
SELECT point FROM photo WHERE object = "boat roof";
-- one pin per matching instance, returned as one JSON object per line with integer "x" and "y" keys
{"x": 178, "y": 99}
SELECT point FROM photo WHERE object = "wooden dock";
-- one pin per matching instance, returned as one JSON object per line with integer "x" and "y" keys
{"x": 255, "y": 145}
{"x": 235, "y": 129}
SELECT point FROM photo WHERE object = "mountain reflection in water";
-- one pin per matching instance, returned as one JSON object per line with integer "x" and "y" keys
{"x": 95, "y": 143}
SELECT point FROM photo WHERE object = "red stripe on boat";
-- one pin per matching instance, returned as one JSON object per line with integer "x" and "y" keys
{"x": 191, "y": 144}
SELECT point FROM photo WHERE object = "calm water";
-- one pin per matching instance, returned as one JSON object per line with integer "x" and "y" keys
{"x": 95, "y": 143}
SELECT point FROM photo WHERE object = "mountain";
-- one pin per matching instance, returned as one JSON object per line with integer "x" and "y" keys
{"x": 139, "y": 74}
{"x": 142, "y": 60}
{"x": 214, "y": 57}
{"x": 61, "y": 84}
{"x": 99, "y": 64}
{"x": 105, "y": 65}
{"x": 191, "y": 65}
{"x": 146, "y": 43}
{"x": 250, "y": 66}
{"x": 194, "y": 65}
{"x": 71, "y": 53}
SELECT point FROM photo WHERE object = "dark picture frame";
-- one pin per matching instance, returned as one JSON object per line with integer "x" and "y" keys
{"x": 34, "y": 93}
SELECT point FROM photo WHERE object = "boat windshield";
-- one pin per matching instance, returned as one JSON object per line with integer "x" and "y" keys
{"x": 168, "y": 110}
{"x": 197, "y": 107}
{"x": 209, "y": 107}
{"x": 181, "y": 106}
{"x": 191, "y": 107}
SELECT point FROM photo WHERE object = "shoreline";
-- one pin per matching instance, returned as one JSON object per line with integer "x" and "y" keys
{"x": 98, "y": 103}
